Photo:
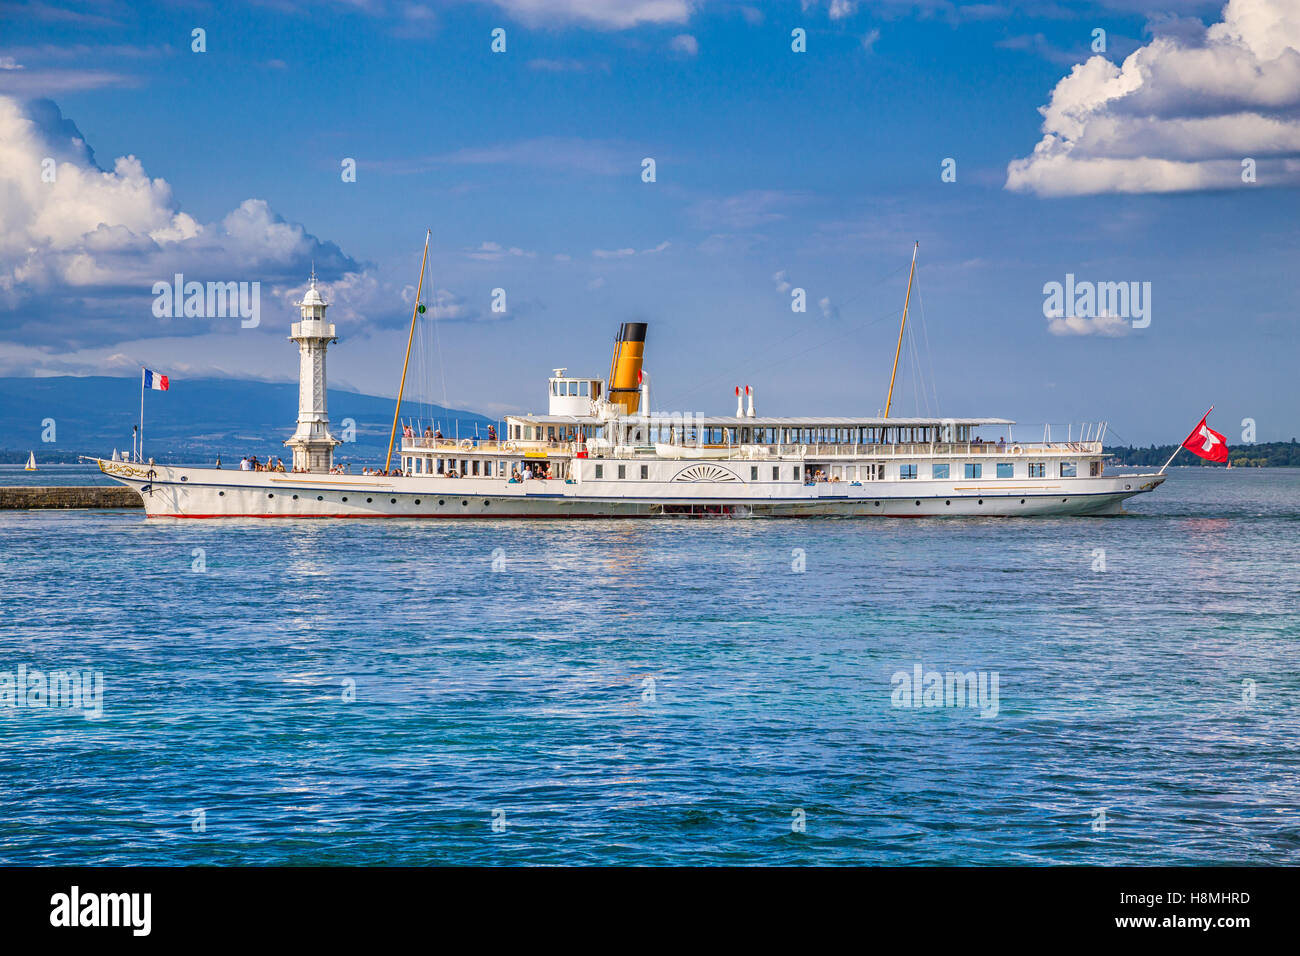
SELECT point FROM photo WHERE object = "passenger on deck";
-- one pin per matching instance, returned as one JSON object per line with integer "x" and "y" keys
{"x": 492, "y": 433}
{"x": 528, "y": 473}
{"x": 428, "y": 432}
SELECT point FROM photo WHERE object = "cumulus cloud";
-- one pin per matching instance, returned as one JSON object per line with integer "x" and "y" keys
{"x": 685, "y": 43}
{"x": 1105, "y": 325}
{"x": 1181, "y": 113}
{"x": 85, "y": 244}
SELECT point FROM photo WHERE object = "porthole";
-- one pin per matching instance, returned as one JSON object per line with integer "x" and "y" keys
{"x": 947, "y": 502}
{"x": 368, "y": 500}
{"x": 392, "y": 501}
{"x": 1128, "y": 487}
{"x": 295, "y": 497}
{"x": 1022, "y": 501}
{"x": 345, "y": 498}
{"x": 981, "y": 501}
{"x": 183, "y": 478}
{"x": 221, "y": 494}
{"x": 417, "y": 501}
{"x": 1064, "y": 500}
{"x": 270, "y": 495}
{"x": 464, "y": 504}
{"x": 441, "y": 502}
{"x": 486, "y": 503}
{"x": 877, "y": 504}
{"x": 322, "y": 498}
{"x": 918, "y": 504}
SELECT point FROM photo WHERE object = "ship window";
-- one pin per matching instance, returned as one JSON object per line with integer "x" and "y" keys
{"x": 837, "y": 471}
{"x": 973, "y": 470}
{"x": 573, "y": 388}
{"x": 645, "y": 472}
{"x": 600, "y": 471}
{"x": 1037, "y": 469}
{"x": 475, "y": 466}
{"x": 850, "y": 472}
{"x": 1094, "y": 468}
{"x": 1069, "y": 469}
{"x": 753, "y": 472}
{"x": 907, "y": 471}
{"x": 939, "y": 471}
{"x": 1005, "y": 469}
{"x": 622, "y": 471}
{"x": 776, "y": 472}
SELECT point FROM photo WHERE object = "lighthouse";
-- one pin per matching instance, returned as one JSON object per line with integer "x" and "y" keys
{"x": 312, "y": 443}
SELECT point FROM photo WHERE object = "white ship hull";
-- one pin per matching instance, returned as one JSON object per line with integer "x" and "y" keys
{"x": 178, "y": 492}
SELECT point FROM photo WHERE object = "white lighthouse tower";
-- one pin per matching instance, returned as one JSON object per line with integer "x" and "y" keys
{"x": 312, "y": 443}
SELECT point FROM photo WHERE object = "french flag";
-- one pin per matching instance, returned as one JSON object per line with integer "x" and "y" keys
{"x": 154, "y": 380}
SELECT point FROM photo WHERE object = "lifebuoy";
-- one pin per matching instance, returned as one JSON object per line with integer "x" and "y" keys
{"x": 510, "y": 446}
{"x": 466, "y": 443}
{"x": 1016, "y": 450}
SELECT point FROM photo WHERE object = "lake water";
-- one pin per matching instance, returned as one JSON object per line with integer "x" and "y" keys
{"x": 661, "y": 691}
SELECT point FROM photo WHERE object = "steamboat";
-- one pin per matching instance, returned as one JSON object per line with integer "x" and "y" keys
{"x": 599, "y": 452}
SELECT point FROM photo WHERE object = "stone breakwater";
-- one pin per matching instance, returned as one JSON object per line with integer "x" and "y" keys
{"x": 68, "y": 496}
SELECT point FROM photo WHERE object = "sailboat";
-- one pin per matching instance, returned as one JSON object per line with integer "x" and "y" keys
{"x": 31, "y": 462}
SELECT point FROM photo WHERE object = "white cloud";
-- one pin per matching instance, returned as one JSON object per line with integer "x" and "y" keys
{"x": 743, "y": 211}
{"x": 685, "y": 43}
{"x": 1105, "y": 325}
{"x": 92, "y": 242}
{"x": 494, "y": 252}
{"x": 869, "y": 39}
{"x": 842, "y": 8}
{"x": 601, "y": 14}
{"x": 1180, "y": 113}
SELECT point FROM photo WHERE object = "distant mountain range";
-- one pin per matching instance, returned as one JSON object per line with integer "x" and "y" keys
{"x": 194, "y": 421}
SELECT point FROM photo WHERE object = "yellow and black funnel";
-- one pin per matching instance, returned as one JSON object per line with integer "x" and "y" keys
{"x": 625, "y": 367}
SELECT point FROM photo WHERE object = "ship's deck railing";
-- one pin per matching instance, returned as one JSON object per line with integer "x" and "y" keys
{"x": 948, "y": 449}
{"x": 453, "y": 447}
{"x": 482, "y": 445}
{"x": 908, "y": 450}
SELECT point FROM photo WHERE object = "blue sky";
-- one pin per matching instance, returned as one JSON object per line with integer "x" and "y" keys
{"x": 774, "y": 169}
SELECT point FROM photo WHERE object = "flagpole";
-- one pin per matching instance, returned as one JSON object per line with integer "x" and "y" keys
{"x": 1180, "y": 447}
{"x": 141, "y": 452}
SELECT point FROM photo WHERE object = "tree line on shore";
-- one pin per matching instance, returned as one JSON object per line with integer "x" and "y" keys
{"x": 1269, "y": 454}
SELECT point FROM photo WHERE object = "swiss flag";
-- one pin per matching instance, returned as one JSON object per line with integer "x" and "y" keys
{"x": 1206, "y": 442}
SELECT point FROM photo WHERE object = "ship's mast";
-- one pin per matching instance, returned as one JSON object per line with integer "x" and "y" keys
{"x": 419, "y": 288}
{"x": 906, "y": 300}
